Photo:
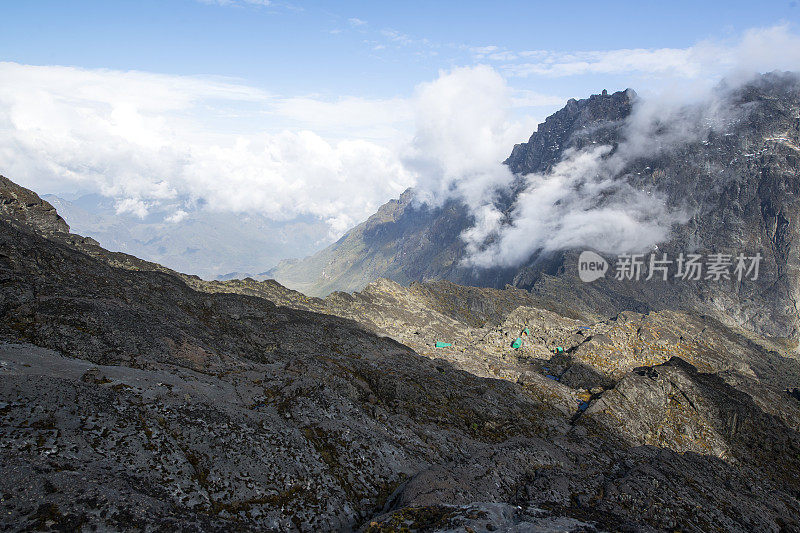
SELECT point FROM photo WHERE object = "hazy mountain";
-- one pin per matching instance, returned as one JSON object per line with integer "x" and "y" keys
{"x": 730, "y": 171}
{"x": 198, "y": 241}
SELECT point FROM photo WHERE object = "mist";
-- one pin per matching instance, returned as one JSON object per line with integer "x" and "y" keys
{"x": 587, "y": 200}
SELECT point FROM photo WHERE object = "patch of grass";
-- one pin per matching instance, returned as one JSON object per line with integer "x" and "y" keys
{"x": 278, "y": 501}
{"x": 427, "y": 518}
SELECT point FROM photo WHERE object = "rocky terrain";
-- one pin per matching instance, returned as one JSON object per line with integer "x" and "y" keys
{"x": 737, "y": 183}
{"x": 133, "y": 397}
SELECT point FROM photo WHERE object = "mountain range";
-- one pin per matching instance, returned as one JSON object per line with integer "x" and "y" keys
{"x": 724, "y": 173}
{"x": 195, "y": 239}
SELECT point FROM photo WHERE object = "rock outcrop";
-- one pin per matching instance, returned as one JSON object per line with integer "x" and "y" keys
{"x": 21, "y": 205}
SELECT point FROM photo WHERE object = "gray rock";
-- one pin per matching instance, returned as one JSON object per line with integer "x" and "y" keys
{"x": 133, "y": 397}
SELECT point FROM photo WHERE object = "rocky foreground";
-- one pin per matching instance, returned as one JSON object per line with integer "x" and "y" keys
{"x": 132, "y": 397}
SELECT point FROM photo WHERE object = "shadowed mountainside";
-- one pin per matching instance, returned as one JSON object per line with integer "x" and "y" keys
{"x": 132, "y": 395}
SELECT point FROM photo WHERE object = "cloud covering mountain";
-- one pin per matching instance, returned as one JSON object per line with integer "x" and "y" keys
{"x": 176, "y": 144}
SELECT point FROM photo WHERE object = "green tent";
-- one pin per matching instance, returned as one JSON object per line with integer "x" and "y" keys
{"x": 517, "y": 342}
{"x": 443, "y": 344}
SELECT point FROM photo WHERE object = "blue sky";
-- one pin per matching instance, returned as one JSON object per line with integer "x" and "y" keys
{"x": 324, "y": 48}
{"x": 329, "y": 109}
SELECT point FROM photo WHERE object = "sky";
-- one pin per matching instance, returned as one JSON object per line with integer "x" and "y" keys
{"x": 368, "y": 49}
{"x": 329, "y": 109}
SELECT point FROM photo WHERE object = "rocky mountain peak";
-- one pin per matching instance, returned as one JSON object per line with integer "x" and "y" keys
{"x": 596, "y": 118}
{"x": 25, "y": 206}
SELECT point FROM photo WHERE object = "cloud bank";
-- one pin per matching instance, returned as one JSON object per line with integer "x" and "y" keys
{"x": 146, "y": 139}
{"x": 150, "y": 140}
{"x": 770, "y": 48}
{"x": 463, "y": 131}
{"x": 586, "y": 200}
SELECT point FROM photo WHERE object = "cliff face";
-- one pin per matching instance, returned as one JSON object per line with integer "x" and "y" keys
{"x": 595, "y": 120}
{"x": 736, "y": 183}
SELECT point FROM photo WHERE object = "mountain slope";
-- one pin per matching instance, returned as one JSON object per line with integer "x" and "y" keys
{"x": 401, "y": 241}
{"x": 130, "y": 399}
{"x": 737, "y": 184}
{"x": 405, "y": 241}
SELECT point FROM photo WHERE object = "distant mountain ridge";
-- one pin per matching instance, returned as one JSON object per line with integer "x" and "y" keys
{"x": 213, "y": 245}
{"x": 740, "y": 187}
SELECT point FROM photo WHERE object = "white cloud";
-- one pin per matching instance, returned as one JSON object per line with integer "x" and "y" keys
{"x": 765, "y": 49}
{"x": 665, "y": 60}
{"x": 528, "y": 98}
{"x": 483, "y": 51}
{"x": 761, "y": 49}
{"x": 132, "y": 206}
{"x": 404, "y": 39}
{"x": 146, "y": 139}
{"x": 177, "y": 216}
{"x": 463, "y": 133}
{"x": 355, "y": 22}
{"x": 382, "y": 119}
{"x": 560, "y": 210}
{"x": 493, "y": 53}
{"x": 502, "y": 56}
